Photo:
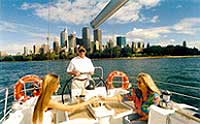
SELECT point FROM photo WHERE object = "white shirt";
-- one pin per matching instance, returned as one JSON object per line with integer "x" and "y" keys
{"x": 81, "y": 65}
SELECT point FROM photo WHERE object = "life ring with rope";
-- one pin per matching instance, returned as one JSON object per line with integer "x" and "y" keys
{"x": 112, "y": 75}
{"x": 20, "y": 88}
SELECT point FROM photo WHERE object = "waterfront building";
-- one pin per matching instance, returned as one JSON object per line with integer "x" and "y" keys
{"x": 79, "y": 41}
{"x": 72, "y": 42}
{"x": 110, "y": 43}
{"x": 25, "y": 51}
{"x": 148, "y": 45}
{"x": 56, "y": 47}
{"x": 140, "y": 47}
{"x": 121, "y": 41}
{"x": 64, "y": 39}
{"x": 44, "y": 49}
{"x": 95, "y": 46}
{"x": 184, "y": 44}
{"x": 86, "y": 38}
{"x": 36, "y": 49}
{"x": 134, "y": 47}
{"x": 98, "y": 37}
{"x": 3, "y": 54}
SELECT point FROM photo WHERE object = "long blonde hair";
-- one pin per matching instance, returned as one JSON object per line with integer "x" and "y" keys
{"x": 148, "y": 82}
{"x": 49, "y": 83}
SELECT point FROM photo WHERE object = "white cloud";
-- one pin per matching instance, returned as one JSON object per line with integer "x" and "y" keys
{"x": 149, "y": 3}
{"x": 152, "y": 33}
{"x": 26, "y": 6}
{"x": 36, "y": 36}
{"x": 21, "y": 28}
{"x": 77, "y": 12}
{"x": 168, "y": 42}
{"x": 155, "y": 19}
{"x": 188, "y": 26}
{"x": 83, "y": 11}
{"x": 7, "y": 27}
{"x": 15, "y": 47}
{"x": 193, "y": 44}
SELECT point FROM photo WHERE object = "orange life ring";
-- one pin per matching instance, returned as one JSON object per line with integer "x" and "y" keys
{"x": 20, "y": 93}
{"x": 112, "y": 75}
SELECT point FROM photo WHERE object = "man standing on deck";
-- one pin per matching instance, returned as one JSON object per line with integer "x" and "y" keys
{"x": 82, "y": 68}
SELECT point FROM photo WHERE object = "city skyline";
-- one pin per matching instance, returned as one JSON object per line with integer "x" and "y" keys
{"x": 159, "y": 22}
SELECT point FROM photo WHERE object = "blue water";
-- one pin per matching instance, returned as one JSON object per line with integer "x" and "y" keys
{"x": 183, "y": 71}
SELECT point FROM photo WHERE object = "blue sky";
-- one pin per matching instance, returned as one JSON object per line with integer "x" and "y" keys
{"x": 159, "y": 22}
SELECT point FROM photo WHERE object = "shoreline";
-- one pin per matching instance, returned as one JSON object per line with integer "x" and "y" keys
{"x": 148, "y": 57}
{"x": 123, "y": 58}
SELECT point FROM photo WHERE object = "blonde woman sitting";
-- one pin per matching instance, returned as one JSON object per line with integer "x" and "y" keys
{"x": 50, "y": 85}
{"x": 146, "y": 95}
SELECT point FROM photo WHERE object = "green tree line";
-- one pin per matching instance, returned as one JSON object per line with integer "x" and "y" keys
{"x": 115, "y": 52}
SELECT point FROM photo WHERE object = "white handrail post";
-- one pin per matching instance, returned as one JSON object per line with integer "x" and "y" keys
{"x": 6, "y": 100}
{"x": 101, "y": 69}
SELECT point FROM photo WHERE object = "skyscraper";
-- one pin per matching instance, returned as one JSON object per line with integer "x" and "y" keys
{"x": 72, "y": 42}
{"x": 56, "y": 45}
{"x": 36, "y": 49}
{"x": 86, "y": 37}
{"x": 110, "y": 43}
{"x": 184, "y": 44}
{"x": 134, "y": 47}
{"x": 64, "y": 39}
{"x": 25, "y": 51}
{"x": 44, "y": 49}
{"x": 121, "y": 41}
{"x": 98, "y": 37}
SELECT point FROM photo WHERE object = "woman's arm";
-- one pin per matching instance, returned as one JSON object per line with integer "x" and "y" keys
{"x": 59, "y": 106}
{"x": 114, "y": 98}
{"x": 62, "y": 107}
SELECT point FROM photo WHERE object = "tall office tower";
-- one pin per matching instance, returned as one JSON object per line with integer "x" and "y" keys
{"x": 72, "y": 42}
{"x": 184, "y": 44}
{"x": 79, "y": 41}
{"x": 148, "y": 45}
{"x": 64, "y": 39}
{"x": 140, "y": 47}
{"x": 95, "y": 46}
{"x": 56, "y": 47}
{"x": 121, "y": 41}
{"x": 44, "y": 49}
{"x": 110, "y": 43}
{"x": 25, "y": 51}
{"x": 133, "y": 46}
{"x": 98, "y": 37}
{"x": 36, "y": 49}
{"x": 86, "y": 38}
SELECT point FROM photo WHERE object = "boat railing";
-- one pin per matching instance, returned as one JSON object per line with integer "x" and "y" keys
{"x": 100, "y": 70}
{"x": 7, "y": 94}
{"x": 171, "y": 84}
{"x": 4, "y": 104}
{"x": 7, "y": 100}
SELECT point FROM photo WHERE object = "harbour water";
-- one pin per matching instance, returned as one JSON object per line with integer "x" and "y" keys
{"x": 181, "y": 71}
